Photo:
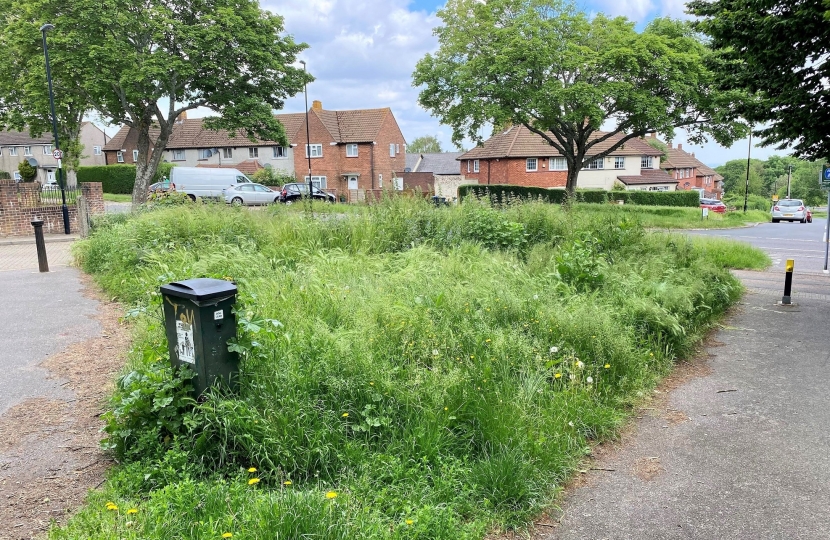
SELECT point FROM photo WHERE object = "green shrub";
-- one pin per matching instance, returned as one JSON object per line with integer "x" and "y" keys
{"x": 119, "y": 179}
{"x": 273, "y": 177}
{"x": 503, "y": 194}
{"x": 5, "y": 175}
{"x": 27, "y": 172}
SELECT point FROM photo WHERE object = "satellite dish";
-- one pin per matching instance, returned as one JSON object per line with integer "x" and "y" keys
{"x": 209, "y": 152}
{"x": 407, "y": 169}
{"x": 32, "y": 162}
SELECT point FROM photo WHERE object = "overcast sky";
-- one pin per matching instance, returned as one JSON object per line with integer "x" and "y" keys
{"x": 362, "y": 54}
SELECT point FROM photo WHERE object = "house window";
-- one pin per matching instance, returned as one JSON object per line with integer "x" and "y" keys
{"x": 468, "y": 165}
{"x": 351, "y": 150}
{"x": 619, "y": 163}
{"x": 531, "y": 164}
{"x": 96, "y": 150}
{"x": 178, "y": 155}
{"x": 119, "y": 156}
{"x": 645, "y": 162}
{"x": 27, "y": 150}
{"x": 316, "y": 150}
{"x": 17, "y": 177}
{"x": 658, "y": 188}
{"x": 380, "y": 181}
{"x": 227, "y": 153}
{"x": 204, "y": 154}
{"x": 558, "y": 164}
{"x": 596, "y": 164}
{"x": 280, "y": 152}
{"x": 47, "y": 149}
{"x": 392, "y": 150}
{"x": 12, "y": 150}
{"x": 253, "y": 152}
{"x": 135, "y": 155}
{"x": 475, "y": 165}
{"x": 317, "y": 181}
{"x": 397, "y": 148}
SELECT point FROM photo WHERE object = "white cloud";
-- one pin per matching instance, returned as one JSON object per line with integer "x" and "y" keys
{"x": 636, "y": 10}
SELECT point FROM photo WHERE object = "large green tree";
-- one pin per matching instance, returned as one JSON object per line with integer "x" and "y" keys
{"x": 564, "y": 75}
{"x": 144, "y": 62}
{"x": 776, "y": 51}
{"x": 427, "y": 144}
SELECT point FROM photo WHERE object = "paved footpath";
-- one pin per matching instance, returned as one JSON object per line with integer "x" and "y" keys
{"x": 741, "y": 453}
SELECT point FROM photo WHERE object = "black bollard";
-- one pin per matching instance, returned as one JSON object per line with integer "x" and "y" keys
{"x": 42, "y": 263}
{"x": 788, "y": 283}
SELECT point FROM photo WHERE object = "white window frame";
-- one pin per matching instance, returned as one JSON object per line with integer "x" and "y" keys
{"x": 96, "y": 150}
{"x": 203, "y": 154}
{"x": 468, "y": 165}
{"x": 646, "y": 162}
{"x": 47, "y": 149}
{"x": 596, "y": 164}
{"x": 119, "y": 156}
{"x": 619, "y": 162}
{"x": 27, "y": 150}
{"x": 280, "y": 152}
{"x": 475, "y": 166}
{"x": 227, "y": 153}
{"x": 535, "y": 163}
{"x": 178, "y": 155}
{"x": 135, "y": 156}
{"x": 351, "y": 150}
{"x": 12, "y": 150}
{"x": 391, "y": 149}
{"x": 557, "y": 164}
{"x": 253, "y": 152}
{"x": 319, "y": 182}
{"x": 397, "y": 148}
{"x": 380, "y": 180}
{"x": 316, "y": 150}
{"x": 17, "y": 177}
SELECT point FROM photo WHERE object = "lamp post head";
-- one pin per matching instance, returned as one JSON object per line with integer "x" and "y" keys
{"x": 47, "y": 27}
{"x": 303, "y": 63}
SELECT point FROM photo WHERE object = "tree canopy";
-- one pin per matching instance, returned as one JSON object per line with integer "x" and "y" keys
{"x": 427, "y": 144}
{"x": 144, "y": 62}
{"x": 777, "y": 52}
{"x": 768, "y": 178}
{"x": 548, "y": 66}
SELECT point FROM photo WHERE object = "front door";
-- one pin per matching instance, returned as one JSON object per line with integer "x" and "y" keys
{"x": 353, "y": 182}
{"x": 50, "y": 176}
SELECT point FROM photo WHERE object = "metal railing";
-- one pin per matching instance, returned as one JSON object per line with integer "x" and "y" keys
{"x": 51, "y": 194}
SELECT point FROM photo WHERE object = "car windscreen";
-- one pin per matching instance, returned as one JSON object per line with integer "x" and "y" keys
{"x": 242, "y": 180}
{"x": 790, "y": 202}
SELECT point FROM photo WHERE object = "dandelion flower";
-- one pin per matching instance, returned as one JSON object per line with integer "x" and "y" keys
{"x": 446, "y": 408}
{"x": 572, "y": 376}
{"x": 554, "y": 350}
{"x": 535, "y": 296}
{"x": 606, "y": 366}
{"x": 371, "y": 384}
{"x": 571, "y": 424}
{"x": 409, "y": 522}
{"x": 472, "y": 357}
{"x": 558, "y": 376}
{"x": 112, "y": 506}
{"x": 344, "y": 415}
{"x": 252, "y": 469}
{"x": 434, "y": 352}
{"x": 589, "y": 380}
{"x": 486, "y": 341}
{"x": 227, "y": 535}
{"x": 580, "y": 364}
{"x": 331, "y": 495}
{"x": 287, "y": 483}
{"x": 132, "y": 511}
{"x": 253, "y": 481}
{"x": 651, "y": 354}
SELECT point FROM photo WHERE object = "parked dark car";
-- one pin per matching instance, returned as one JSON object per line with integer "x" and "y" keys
{"x": 714, "y": 205}
{"x": 294, "y": 192}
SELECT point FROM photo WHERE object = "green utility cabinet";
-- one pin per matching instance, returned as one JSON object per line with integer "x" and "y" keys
{"x": 199, "y": 320}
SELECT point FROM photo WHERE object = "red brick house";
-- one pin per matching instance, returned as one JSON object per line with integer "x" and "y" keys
{"x": 520, "y": 157}
{"x": 691, "y": 173}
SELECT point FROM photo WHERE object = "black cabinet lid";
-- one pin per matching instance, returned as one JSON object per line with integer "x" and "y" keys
{"x": 199, "y": 288}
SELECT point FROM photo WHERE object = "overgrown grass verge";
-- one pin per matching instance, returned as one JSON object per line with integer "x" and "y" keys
{"x": 408, "y": 371}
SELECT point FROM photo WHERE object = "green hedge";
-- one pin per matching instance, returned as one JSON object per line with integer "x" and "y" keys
{"x": 501, "y": 193}
{"x": 118, "y": 178}
{"x": 5, "y": 175}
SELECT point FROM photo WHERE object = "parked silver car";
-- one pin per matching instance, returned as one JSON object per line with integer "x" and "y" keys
{"x": 789, "y": 210}
{"x": 250, "y": 194}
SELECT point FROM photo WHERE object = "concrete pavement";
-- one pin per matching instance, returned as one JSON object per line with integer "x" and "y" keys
{"x": 740, "y": 453}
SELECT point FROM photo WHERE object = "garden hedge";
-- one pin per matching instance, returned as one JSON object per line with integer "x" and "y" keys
{"x": 118, "y": 178}
{"x": 501, "y": 193}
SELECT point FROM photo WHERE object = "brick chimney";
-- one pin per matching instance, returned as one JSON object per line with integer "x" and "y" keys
{"x": 182, "y": 117}
{"x": 317, "y": 105}
{"x": 679, "y": 146}
{"x": 693, "y": 154}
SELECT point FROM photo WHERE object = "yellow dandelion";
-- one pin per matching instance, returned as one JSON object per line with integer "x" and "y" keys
{"x": 371, "y": 384}
{"x": 472, "y": 357}
{"x": 331, "y": 495}
{"x": 227, "y": 535}
{"x": 112, "y": 506}
{"x": 253, "y": 481}
{"x": 409, "y": 522}
{"x": 557, "y": 376}
{"x": 287, "y": 483}
{"x": 132, "y": 511}
{"x": 344, "y": 415}
{"x": 486, "y": 341}
{"x": 651, "y": 354}
{"x": 606, "y": 366}
{"x": 446, "y": 409}
{"x": 252, "y": 469}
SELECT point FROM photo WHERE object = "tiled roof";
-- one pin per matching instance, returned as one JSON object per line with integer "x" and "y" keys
{"x": 249, "y": 166}
{"x": 439, "y": 163}
{"x": 520, "y": 142}
{"x": 22, "y": 138}
{"x": 678, "y": 159}
{"x": 116, "y": 143}
{"x": 191, "y": 133}
{"x": 412, "y": 161}
{"x": 648, "y": 176}
{"x": 359, "y": 125}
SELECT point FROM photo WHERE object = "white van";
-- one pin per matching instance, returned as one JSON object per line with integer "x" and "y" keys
{"x": 205, "y": 181}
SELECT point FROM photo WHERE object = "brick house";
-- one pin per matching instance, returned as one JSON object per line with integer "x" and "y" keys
{"x": 520, "y": 157}
{"x": 691, "y": 173}
{"x": 433, "y": 173}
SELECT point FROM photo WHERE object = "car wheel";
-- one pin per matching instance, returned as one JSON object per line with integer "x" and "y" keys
{"x": 236, "y": 201}
{"x": 276, "y": 200}
{"x": 192, "y": 197}
{"x": 775, "y": 220}
{"x": 289, "y": 201}
{"x": 804, "y": 220}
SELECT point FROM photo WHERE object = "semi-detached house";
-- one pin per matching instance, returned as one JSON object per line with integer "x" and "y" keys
{"x": 351, "y": 152}
{"x": 520, "y": 157}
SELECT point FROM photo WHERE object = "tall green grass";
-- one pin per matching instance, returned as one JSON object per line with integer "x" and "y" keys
{"x": 438, "y": 372}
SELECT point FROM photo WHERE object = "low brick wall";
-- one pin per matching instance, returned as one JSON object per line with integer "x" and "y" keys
{"x": 20, "y": 203}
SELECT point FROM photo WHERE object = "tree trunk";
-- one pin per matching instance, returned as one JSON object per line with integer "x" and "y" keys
{"x": 147, "y": 163}
{"x": 570, "y": 185}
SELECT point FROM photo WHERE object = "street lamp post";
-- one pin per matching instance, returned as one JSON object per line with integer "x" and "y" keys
{"x": 789, "y": 174}
{"x": 748, "y": 154}
{"x": 43, "y": 29}
{"x": 308, "y": 138}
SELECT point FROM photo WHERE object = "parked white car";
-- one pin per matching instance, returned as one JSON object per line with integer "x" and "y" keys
{"x": 250, "y": 194}
{"x": 790, "y": 210}
{"x": 205, "y": 181}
